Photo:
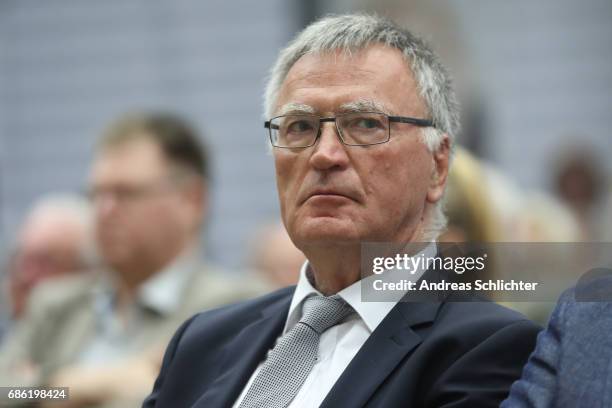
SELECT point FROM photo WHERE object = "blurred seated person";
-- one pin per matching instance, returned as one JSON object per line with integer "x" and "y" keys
{"x": 275, "y": 257}
{"x": 103, "y": 335}
{"x": 53, "y": 241}
{"x": 580, "y": 181}
{"x": 476, "y": 215}
{"x": 469, "y": 207}
{"x": 4, "y": 319}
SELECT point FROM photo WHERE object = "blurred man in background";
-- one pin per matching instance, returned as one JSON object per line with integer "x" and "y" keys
{"x": 53, "y": 241}
{"x": 102, "y": 336}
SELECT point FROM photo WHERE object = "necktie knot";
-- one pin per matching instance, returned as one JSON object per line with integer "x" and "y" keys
{"x": 320, "y": 312}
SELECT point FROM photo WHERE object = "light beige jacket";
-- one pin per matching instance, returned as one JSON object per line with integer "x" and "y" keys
{"x": 62, "y": 319}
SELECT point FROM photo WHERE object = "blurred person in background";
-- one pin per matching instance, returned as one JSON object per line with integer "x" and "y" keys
{"x": 275, "y": 257}
{"x": 476, "y": 214}
{"x": 102, "y": 336}
{"x": 581, "y": 183}
{"x": 469, "y": 207}
{"x": 54, "y": 240}
{"x": 483, "y": 205}
{"x": 4, "y": 322}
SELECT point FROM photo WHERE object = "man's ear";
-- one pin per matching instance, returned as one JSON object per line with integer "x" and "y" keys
{"x": 439, "y": 174}
{"x": 196, "y": 195}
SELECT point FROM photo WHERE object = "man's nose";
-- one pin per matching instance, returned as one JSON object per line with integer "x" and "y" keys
{"x": 105, "y": 204}
{"x": 329, "y": 151}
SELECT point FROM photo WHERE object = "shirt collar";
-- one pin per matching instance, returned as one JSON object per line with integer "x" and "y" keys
{"x": 372, "y": 313}
{"x": 163, "y": 291}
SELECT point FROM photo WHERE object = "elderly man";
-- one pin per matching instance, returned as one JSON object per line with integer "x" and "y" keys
{"x": 103, "y": 335}
{"x": 362, "y": 117}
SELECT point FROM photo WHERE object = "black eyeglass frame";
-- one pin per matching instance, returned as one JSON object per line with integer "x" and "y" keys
{"x": 397, "y": 119}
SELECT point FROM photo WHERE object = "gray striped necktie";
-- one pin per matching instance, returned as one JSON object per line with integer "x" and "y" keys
{"x": 290, "y": 361}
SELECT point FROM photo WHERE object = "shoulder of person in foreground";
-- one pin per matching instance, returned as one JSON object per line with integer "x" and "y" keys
{"x": 570, "y": 364}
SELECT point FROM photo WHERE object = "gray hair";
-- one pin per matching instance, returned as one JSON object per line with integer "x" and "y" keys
{"x": 69, "y": 205}
{"x": 73, "y": 208}
{"x": 354, "y": 32}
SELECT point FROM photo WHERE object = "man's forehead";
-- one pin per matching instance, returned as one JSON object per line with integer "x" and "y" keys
{"x": 376, "y": 78}
{"x": 358, "y": 105}
{"x": 326, "y": 67}
{"x": 130, "y": 159}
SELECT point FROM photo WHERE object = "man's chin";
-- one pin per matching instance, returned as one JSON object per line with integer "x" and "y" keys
{"x": 326, "y": 230}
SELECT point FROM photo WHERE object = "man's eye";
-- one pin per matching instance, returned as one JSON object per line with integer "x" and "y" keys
{"x": 365, "y": 124}
{"x": 368, "y": 123}
{"x": 299, "y": 126}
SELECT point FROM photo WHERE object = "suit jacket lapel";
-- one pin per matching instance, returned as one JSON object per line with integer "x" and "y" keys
{"x": 243, "y": 354}
{"x": 392, "y": 340}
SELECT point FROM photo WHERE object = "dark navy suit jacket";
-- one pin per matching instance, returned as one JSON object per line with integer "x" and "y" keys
{"x": 443, "y": 354}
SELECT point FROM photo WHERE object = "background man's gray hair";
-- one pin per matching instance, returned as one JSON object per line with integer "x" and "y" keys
{"x": 71, "y": 205}
{"x": 354, "y": 32}
{"x": 75, "y": 208}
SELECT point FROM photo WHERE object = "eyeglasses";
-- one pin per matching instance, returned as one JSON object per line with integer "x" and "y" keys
{"x": 125, "y": 193}
{"x": 354, "y": 129}
{"x": 130, "y": 193}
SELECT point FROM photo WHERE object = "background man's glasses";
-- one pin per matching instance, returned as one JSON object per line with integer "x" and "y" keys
{"x": 132, "y": 192}
{"x": 128, "y": 193}
{"x": 354, "y": 129}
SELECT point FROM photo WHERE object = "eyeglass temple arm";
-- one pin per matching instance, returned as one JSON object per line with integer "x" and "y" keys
{"x": 400, "y": 119}
{"x": 412, "y": 121}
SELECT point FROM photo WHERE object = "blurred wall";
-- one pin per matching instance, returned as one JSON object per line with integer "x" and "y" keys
{"x": 68, "y": 67}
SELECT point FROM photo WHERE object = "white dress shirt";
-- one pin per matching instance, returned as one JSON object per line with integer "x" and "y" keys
{"x": 337, "y": 345}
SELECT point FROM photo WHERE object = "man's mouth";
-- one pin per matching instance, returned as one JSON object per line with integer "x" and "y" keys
{"x": 329, "y": 194}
